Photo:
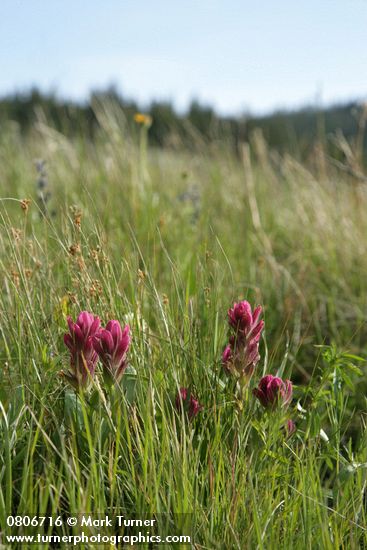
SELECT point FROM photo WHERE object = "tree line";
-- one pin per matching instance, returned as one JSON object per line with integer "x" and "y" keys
{"x": 294, "y": 131}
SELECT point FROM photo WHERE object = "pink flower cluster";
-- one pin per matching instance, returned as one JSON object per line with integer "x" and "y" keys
{"x": 112, "y": 344}
{"x": 241, "y": 355}
{"x": 273, "y": 391}
{"x": 87, "y": 341}
{"x": 186, "y": 401}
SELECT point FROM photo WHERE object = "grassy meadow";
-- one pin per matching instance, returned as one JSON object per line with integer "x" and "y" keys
{"x": 167, "y": 240}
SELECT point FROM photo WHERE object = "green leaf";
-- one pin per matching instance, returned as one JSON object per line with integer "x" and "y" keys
{"x": 347, "y": 380}
{"x": 354, "y": 369}
{"x": 355, "y": 357}
{"x": 130, "y": 385}
{"x": 73, "y": 411}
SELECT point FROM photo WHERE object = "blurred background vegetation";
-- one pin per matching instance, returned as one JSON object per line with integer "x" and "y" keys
{"x": 337, "y": 129}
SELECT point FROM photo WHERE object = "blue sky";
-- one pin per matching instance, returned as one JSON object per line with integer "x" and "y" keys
{"x": 236, "y": 55}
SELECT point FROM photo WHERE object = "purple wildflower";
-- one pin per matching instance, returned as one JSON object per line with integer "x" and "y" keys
{"x": 83, "y": 358}
{"x": 273, "y": 391}
{"x": 241, "y": 355}
{"x": 189, "y": 403}
{"x": 112, "y": 344}
{"x": 290, "y": 427}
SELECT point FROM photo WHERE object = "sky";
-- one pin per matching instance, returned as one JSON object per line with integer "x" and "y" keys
{"x": 236, "y": 55}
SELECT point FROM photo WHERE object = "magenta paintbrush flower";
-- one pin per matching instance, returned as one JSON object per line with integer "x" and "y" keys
{"x": 273, "y": 391}
{"x": 227, "y": 357}
{"x": 241, "y": 355}
{"x": 112, "y": 344}
{"x": 290, "y": 427}
{"x": 189, "y": 403}
{"x": 83, "y": 358}
{"x": 245, "y": 321}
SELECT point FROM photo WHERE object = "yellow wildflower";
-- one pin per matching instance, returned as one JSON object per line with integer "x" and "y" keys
{"x": 141, "y": 118}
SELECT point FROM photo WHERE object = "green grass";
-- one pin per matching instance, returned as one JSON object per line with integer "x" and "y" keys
{"x": 263, "y": 228}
